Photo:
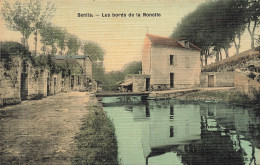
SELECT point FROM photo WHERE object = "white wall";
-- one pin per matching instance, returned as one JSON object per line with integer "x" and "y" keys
{"x": 183, "y": 76}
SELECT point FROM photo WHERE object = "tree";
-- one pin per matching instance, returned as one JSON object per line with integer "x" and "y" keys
{"x": 133, "y": 68}
{"x": 40, "y": 16}
{"x": 73, "y": 44}
{"x": 213, "y": 24}
{"x": 252, "y": 18}
{"x": 17, "y": 17}
{"x": 61, "y": 39}
{"x": 27, "y": 17}
{"x": 48, "y": 38}
{"x": 94, "y": 51}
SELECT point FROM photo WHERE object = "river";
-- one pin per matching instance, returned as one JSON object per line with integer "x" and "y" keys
{"x": 171, "y": 132}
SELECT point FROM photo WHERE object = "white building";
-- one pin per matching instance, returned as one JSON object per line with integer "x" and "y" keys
{"x": 171, "y": 63}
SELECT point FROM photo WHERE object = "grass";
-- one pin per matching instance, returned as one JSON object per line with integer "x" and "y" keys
{"x": 96, "y": 141}
{"x": 229, "y": 96}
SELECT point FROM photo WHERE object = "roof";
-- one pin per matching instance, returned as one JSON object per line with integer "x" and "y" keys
{"x": 175, "y": 42}
{"x": 63, "y": 57}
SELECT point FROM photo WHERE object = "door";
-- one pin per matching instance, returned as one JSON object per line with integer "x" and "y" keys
{"x": 24, "y": 86}
{"x": 72, "y": 82}
{"x": 211, "y": 81}
{"x": 172, "y": 80}
{"x": 147, "y": 84}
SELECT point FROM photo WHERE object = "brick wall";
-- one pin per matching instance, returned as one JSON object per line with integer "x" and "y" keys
{"x": 247, "y": 86}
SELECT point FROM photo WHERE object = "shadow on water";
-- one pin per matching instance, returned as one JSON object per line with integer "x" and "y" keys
{"x": 170, "y": 132}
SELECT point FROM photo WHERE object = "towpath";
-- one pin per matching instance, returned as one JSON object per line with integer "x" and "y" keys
{"x": 42, "y": 131}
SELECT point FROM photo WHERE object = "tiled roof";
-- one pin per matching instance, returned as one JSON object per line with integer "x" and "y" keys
{"x": 63, "y": 57}
{"x": 169, "y": 42}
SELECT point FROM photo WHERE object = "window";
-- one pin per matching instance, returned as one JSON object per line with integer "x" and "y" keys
{"x": 147, "y": 112}
{"x": 171, "y": 60}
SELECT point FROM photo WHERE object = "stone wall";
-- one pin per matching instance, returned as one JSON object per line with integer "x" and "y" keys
{"x": 22, "y": 81}
{"x": 42, "y": 82}
{"x": 221, "y": 79}
{"x": 10, "y": 80}
{"x": 138, "y": 81}
{"x": 55, "y": 84}
{"x": 247, "y": 86}
{"x": 33, "y": 82}
{"x": 65, "y": 84}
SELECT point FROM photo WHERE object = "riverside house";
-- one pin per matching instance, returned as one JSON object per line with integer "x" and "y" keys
{"x": 170, "y": 63}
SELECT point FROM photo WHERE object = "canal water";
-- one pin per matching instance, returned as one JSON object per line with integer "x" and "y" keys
{"x": 170, "y": 132}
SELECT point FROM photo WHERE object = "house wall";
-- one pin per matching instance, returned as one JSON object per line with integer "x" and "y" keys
{"x": 10, "y": 83}
{"x": 139, "y": 81}
{"x": 146, "y": 51}
{"x": 221, "y": 79}
{"x": 186, "y": 67}
{"x": 88, "y": 66}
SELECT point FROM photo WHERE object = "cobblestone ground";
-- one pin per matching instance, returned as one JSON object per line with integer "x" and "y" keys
{"x": 42, "y": 131}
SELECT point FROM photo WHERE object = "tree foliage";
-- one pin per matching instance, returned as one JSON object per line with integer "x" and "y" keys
{"x": 94, "y": 51}
{"x": 252, "y": 17}
{"x": 73, "y": 44}
{"x": 214, "y": 24}
{"x": 17, "y": 18}
{"x": 12, "y": 49}
{"x": 133, "y": 68}
{"x": 27, "y": 17}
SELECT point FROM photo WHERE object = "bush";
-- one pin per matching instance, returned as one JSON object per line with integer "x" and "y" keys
{"x": 96, "y": 141}
{"x": 11, "y": 49}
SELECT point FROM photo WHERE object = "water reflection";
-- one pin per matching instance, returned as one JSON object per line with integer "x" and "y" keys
{"x": 170, "y": 132}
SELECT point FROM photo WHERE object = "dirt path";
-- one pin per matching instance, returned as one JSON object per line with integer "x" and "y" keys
{"x": 42, "y": 131}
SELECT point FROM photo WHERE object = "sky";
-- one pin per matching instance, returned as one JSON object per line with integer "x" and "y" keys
{"x": 120, "y": 37}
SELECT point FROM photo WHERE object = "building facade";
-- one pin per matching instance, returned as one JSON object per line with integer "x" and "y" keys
{"x": 171, "y": 63}
{"x": 80, "y": 78}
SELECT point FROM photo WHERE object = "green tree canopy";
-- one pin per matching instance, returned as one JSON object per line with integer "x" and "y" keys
{"x": 92, "y": 49}
{"x": 213, "y": 24}
{"x": 73, "y": 44}
{"x": 133, "y": 68}
{"x": 27, "y": 17}
{"x": 17, "y": 18}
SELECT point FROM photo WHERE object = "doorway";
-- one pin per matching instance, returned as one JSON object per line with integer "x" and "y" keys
{"x": 72, "y": 82}
{"x": 24, "y": 86}
{"x": 210, "y": 80}
{"x": 172, "y": 80}
{"x": 147, "y": 84}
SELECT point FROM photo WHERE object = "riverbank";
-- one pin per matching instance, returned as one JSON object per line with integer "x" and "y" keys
{"x": 229, "y": 96}
{"x": 43, "y": 131}
{"x": 96, "y": 142}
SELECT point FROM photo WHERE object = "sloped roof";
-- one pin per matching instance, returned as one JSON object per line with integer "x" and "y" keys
{"x": 170, "y": 42}
{"x": 63, "y": 57}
